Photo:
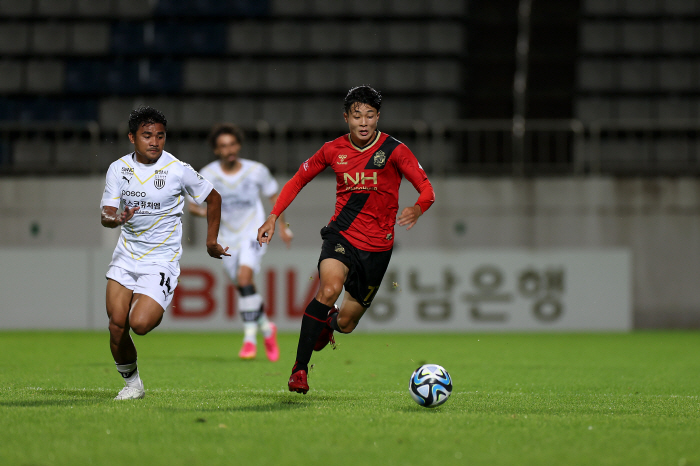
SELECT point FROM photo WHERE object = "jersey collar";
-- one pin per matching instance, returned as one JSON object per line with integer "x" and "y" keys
{"x": 368, "y": 146}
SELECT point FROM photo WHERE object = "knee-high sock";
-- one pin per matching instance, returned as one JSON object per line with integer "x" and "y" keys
{"x": 311, "y": 325}
{"x": 251, "y": 306}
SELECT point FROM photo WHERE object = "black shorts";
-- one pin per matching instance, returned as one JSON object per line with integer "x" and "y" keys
{"x": 367, "y": 269}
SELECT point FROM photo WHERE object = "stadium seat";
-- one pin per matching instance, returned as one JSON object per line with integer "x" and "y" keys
{"x": 600, "y": 7}
{"x": 90, "y": 38}
{"x": 14, "y": 38}
{"x": 133, "y": 8}
{"x": 401, "y": 111}
{"x": 28, "y": 153}
{"x": 680, "y": 7}
{"x": 121, "y": 77}
{"x": 77, "y": 110}
{"x": 637, "y": 75}
{"x": 91, "y": 8}
{"x": 200, "y": 113}
{"x": 282, "y": 75}
{"x": 203, "y": 75}
{"x": 592, "y": 109}
{"x": 127, "y": 38}
{"x": 9, "y": 8}
{"x": 322, "y": 75}
{"x": 407, "y": 37}
{"x": 437, "y": 109}
{"x": 596, "y": 74}
{"x": 447, "y": 7}
{"x": 403, "y": 75}
{"x": 320, "y": 110}
{"x": 49, "y": 38}
{"x": 442, "y": 75}
{"x": 599, "y": 36}
{"x": 445, "y": 37}
{"x": 11, "y": 72}
{"x": 328, "y": 7}
{"x": 54, "y": 7}
{"x": 287, "y": 37}
{"x": 328, "y": 37}
{"x": 84, "y": 76}
{"x": 677, "y": 75}
{"x": 244, "y": 75}
{"x": 634, "y": 108}
{"x": 368, "y": 37}
{"x": 279, "y": 111}
{"x": 288, "y": 7}
{"x": 676, "y": 108}
{"x": 368, "y": 9}
{"x": 45, "y": 76}
{"x": 204, "y": 38}
{"x": 247, "y": 37}
{"x": 195, "y": 152}
{"x": 243, "y": 111}
{"x": 163, "y": 76}
{"x": 674, "y": 150}
{"x": 677, "y": 36}
{"x": 356, "y": 72}
{"x": 114, "y": 112}
{"x": 406, "y": 7}
{"x": 76, "y": 155}
{"x": 639, "y": 37}
{"x": 641, "y": 7}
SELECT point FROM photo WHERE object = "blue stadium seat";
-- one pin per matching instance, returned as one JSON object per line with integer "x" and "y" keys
{"x": 207, "y": 37}
{"x": 84, "y": 76}
{"x": 77, "y": 110}
{"x": 8, "y": 109}
{"x": 163, "y": 76}
{"x": 121, "y": 77}
{"x": 127, "y": 38}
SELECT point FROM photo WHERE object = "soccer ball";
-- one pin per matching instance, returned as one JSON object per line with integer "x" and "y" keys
{"x": 430, "y": 385}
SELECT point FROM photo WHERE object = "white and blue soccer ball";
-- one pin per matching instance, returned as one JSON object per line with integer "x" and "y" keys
{"x": 430, "y": 385}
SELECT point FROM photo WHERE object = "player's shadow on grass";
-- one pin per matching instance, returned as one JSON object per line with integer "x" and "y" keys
{"x": 262, "y": 403}
{"x": 59, "y": 397}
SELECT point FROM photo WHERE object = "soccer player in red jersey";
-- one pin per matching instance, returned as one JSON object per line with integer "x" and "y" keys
{"x": 358, "y": 241}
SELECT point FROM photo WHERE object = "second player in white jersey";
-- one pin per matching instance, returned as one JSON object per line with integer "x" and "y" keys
{"x": 242, "y": 183}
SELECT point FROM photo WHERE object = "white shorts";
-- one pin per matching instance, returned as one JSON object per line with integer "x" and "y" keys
{"x": 249, "y": 253}
{"x": 159, "y": 286}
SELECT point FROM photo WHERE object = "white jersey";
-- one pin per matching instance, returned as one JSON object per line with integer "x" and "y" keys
{"x": 154, "y": 233}
{"x": 241, "y": 208}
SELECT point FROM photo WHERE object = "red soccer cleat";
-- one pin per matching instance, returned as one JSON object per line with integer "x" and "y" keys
{"x": 297, "y": 382}
{"x": 326, "y": 335}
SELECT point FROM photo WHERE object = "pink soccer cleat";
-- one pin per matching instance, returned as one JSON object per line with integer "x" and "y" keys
{"x": 272, "y": 351}
{"x": 248, "y": 351}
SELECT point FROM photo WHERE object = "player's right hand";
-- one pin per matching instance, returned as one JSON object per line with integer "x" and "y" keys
{"x": 127, "y": 214}
{"x": 267, "y": 229}
{"x": 217, "y": 251}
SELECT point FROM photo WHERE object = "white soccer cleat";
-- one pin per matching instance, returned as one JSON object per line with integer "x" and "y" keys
{"x": 130, "y": 392}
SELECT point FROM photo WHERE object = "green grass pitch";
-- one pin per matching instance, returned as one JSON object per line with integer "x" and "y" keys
{"x": 518, "y": 399}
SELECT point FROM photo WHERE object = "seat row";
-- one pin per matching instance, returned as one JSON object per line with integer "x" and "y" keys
{"x": 221, "y": 37}
{"x": 668, "y": 36}
{"x": 639, "y": 75}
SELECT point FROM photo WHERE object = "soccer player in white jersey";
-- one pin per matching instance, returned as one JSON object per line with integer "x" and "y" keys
{"x": 241, "y": 183}
{"x": 151, "y": 185}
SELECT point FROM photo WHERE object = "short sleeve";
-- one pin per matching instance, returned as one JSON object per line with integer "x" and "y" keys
{"x": 194, "y": 184}
{"x": 268, "y": 185}
{"x": 111, "y": 196}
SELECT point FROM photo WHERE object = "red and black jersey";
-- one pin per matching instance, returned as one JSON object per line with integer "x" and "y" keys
{"x": 367, "y": 187}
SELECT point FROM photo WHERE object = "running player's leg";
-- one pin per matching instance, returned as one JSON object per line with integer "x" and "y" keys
{"x": 250, "y": 305}
{"x": 250, "y": 259}
{"x": 349, "y": 315}
{"x": 332, "y": 274}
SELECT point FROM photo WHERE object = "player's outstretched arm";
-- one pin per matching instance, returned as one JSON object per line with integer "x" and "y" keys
{"x": 286, "y": 232}
{"x": 214, "y": 249}
{"x": 110, "y": 219}
{"x": 409, "y": 216}
{"x": 267, "y": 229}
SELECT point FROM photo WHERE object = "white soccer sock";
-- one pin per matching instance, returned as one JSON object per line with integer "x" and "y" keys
{"x": 264, "y": 324}
{"x": 250, "y": 329}
{"x": 130, "y": 373}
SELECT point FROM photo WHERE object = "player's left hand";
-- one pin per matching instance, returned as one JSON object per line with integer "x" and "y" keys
{"x": 409, "y": 216}
{"x": 217, "y": 251}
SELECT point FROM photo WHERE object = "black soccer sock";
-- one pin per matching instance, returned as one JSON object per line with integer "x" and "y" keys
{"x": 311, "y": 325}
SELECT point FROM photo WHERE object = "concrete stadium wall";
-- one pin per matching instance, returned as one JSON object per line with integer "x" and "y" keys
{"x": 657, "y": 220}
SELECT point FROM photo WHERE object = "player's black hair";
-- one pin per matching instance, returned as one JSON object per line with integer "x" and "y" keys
{"x": 364, "y": 95}
{"x": 224, "y": 128}
{"x": 145, "y": 116}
